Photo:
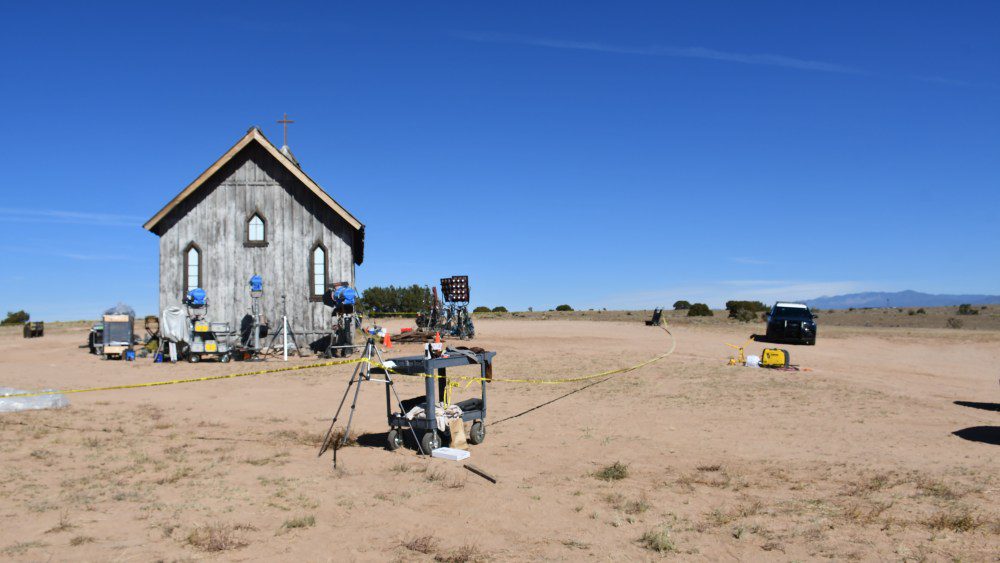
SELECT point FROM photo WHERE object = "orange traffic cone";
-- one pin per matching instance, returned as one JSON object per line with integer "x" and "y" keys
{"x": 387, "y": 342}
{"x": 437, "y": 337}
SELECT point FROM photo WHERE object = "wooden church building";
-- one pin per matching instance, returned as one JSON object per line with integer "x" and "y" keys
{"x": 254, "y": 211}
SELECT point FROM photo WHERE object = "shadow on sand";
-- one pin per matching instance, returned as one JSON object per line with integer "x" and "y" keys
{"x": 995, "y": 407}
{"x": 984, "y": 434}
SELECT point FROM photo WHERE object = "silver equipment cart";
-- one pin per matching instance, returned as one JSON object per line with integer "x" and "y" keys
{"x": 473, "y": 409}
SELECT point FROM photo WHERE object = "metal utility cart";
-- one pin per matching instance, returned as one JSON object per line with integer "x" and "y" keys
{"x": 473, "y": 409}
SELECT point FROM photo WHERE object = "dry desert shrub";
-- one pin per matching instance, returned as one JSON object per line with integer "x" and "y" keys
{"x": 865, "y": 512}
{"x": 465, "y": 554}
{"x": 298, "y": 522}
{"x": 421, "y": 544}
{"x": 959, "y": 519}
{"x": 630, "y": 507}
{"x": 435, "y": 475}
{"x": 63, "y": 525}
{"x": 658, "y": 540}
{"x": 937, "y": 489}
{"x": 719, "y": 517}
{"x": 218, "y": 537}
{"x": 21, "y": 547}
{"x": 313, "y": 439}
{"x": 614, "y": 472}
{"x": 713, "y": 476}
{"x": 80, "y": 540}
{"x": 872, "y": 484}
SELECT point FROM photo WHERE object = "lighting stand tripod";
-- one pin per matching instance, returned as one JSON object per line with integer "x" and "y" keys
{"x": 362, "y": 373}
{"x": 285, "y": 332}
{"x": 253, "y": 339}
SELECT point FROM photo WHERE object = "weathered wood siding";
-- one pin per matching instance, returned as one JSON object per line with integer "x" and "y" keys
{"x": 215, "y": 219}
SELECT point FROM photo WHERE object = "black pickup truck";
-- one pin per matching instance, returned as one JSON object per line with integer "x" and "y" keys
{"x": 791, "y": 322}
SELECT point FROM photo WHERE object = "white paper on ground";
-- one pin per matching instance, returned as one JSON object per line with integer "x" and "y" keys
{"x": 450, "y": 453}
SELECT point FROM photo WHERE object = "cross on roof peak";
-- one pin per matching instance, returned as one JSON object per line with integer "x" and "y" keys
{"x": 284, "y": 123}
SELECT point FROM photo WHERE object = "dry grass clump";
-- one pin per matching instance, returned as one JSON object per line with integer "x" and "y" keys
{"x": 338, "y": 435}
{"x": 435, "y": 475}
{"x": 299, "y": 522}
{"x": 64, "y": 525}
{"x": 80, "y": 540}
{"x": 863, "y": 512}
{"x": 218, "y": 537}
{"x": 658, "y": 540}
{"x": 868, "y": 485}
{"x": 177, "y": 475}
{"x": 465, "y": 554}
{"x": 614, "y": 472}
{"x": 428, "y": 545}
{"x": 21, "y": 547}
{"x": 937, "y": 489}
{"x": 630, "y": 507}
{"x": 313, "y": 439}
{"x": 713, "y": 476}
{"x": 421, "y": 544}
{"x": 956, "y": 520}
{"x": 719, "y": 517}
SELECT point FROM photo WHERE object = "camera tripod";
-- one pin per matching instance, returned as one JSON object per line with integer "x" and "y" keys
{"x": 363, "y": 373}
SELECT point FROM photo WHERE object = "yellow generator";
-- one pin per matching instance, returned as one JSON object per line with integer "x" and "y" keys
{"x": 774, "y": 358}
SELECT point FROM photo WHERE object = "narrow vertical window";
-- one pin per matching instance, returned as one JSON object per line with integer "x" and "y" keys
{"x": 255, "y": 229}
{"x": 192, "y": 267}
{"x": 318, "y": 270}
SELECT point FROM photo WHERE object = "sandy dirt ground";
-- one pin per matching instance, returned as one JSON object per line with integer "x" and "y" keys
{"x": 856, "y": 458}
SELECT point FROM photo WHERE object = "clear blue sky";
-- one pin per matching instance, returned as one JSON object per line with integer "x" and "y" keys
{"x": 622, "y": 154}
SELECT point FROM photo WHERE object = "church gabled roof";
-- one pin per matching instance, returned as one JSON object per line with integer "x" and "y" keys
{"x": 254, "y": 135}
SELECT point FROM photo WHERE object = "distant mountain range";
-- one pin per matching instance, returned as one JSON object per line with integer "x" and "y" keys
{"x": 908, "y": 298}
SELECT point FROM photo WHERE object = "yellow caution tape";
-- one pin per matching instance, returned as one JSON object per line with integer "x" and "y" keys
{"x": 673, "y": 346}
{"x": 470, "y": 380}
{"x": 190, "y": 380}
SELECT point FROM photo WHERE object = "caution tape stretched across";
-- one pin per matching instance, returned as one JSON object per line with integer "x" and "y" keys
{"x": 189, "y": 380}
{"x": 673, "y": 346}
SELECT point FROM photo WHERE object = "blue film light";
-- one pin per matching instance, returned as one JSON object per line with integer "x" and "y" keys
{"x": 256, "y": 283}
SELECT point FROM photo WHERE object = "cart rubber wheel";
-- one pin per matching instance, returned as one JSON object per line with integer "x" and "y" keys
{"x": 395, "y": 440}
{"x": 430, "y": 442}
{"x": 224, "y": 359}
{"x": 194, "y": 358}
{"x": 477, "y": 433}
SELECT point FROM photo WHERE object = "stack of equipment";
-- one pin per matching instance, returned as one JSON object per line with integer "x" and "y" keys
{"x": 207, "y": 338}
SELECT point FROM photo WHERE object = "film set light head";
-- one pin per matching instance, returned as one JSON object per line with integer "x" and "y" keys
{"x": 196, "y": 298}
{"x": 455, "y": 289}
{"x": 256, "y": 287}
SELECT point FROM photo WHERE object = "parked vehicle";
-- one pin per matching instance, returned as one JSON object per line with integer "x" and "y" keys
{"x": 791, "y": 322}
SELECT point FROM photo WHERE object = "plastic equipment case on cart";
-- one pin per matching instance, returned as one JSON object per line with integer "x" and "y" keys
{"x": 118, "y": 335}
{"x": 472, "y": 409}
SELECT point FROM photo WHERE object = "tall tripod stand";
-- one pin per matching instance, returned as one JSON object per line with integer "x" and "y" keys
{"x": 362, "y": 373}
{"x": 286, "y": 332}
